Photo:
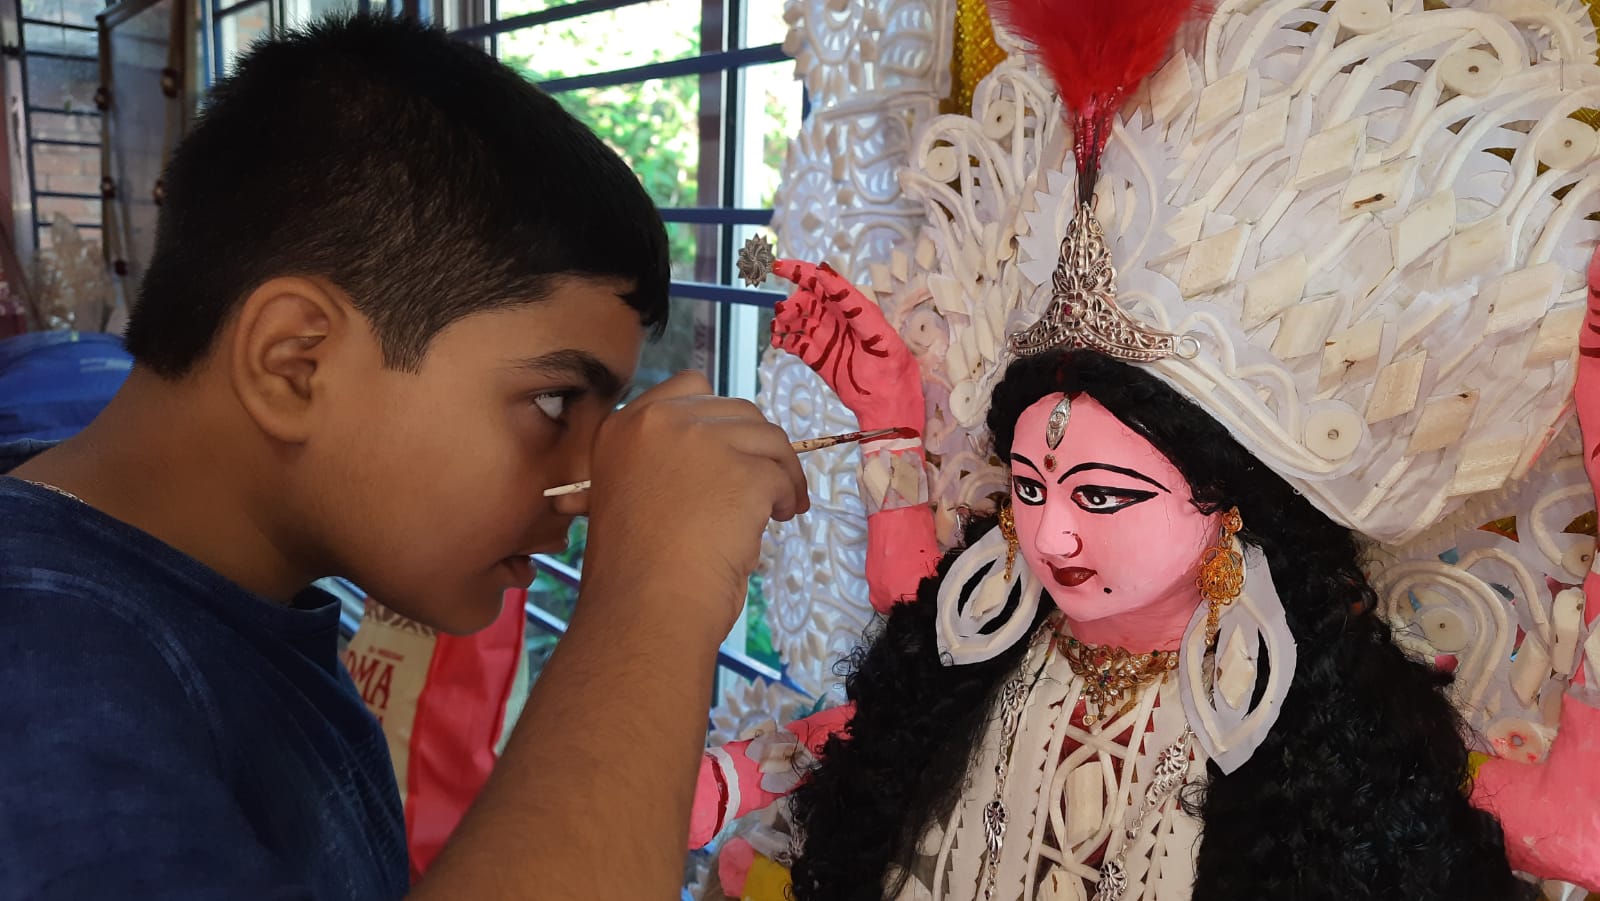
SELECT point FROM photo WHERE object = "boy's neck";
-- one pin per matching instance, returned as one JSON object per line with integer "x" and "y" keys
{"x": 159, "y": 459}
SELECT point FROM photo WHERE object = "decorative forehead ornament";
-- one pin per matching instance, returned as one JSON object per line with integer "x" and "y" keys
{"x": 1056, "y": 426}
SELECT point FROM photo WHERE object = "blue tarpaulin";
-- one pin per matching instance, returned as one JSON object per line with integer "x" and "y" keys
{"x": 53, "y": 383}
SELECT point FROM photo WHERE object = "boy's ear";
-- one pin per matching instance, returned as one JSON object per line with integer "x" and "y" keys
{"x": 285, "y": 335}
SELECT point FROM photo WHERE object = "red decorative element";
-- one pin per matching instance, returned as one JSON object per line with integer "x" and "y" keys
{"x": 460, "y": 715}
{"x": 722, "y": 797}
{"x": 903, "y": 433}
{"x": 1097, "y": 53}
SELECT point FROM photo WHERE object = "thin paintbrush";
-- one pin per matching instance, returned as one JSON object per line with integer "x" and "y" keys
{"x": 800, "y": 447}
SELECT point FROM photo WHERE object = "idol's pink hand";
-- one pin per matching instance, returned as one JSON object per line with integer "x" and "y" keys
{"x": 720, "y": 797}
{"x": 844, "y": 337}
{"x": 1551, "y": 810}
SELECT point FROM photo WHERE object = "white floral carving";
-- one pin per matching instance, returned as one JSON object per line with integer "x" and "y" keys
{"x": 874, "y": 71}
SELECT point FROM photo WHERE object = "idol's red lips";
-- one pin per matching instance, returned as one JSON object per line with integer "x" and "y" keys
{"x": 1071, "y": 576}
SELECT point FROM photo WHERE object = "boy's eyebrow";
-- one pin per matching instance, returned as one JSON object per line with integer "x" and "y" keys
{"x": 596, "y": 376}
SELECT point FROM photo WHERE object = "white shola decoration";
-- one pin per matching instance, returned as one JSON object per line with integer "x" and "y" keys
{"x": 1384, "y": 303}
{"x": 983, "y": 608}
{"x": 1218, "y": 689}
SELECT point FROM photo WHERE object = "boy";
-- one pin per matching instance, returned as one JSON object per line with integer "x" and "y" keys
{"x": 395, "y": 293}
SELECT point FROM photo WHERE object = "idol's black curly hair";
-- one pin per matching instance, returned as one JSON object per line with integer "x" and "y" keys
{"x": 1359, "y": 791}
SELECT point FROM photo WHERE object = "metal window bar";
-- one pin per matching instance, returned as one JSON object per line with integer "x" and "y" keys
{"x": 716, "y": 215}
{"x": 61, "y": 111}
{"x": 212, "y": 33}
{"x": 725, "y": 294}
{"x": 724, "y": 61}
{"x": 238, "y": 8}
{"x": 70, "y": 26}
{"x": 29, "y": 141}
{"x": 205, "y": 45}
{"x": 67, "y": 57}
{"x": 497, "y": 25}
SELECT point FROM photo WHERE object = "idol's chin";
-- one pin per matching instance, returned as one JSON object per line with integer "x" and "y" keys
{"x": 1085, "y": 605}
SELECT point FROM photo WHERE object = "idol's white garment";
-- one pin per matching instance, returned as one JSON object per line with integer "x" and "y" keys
{"x": 1066, "y": 808}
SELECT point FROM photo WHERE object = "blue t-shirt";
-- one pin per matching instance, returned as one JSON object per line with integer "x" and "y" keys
{"x": 166, "y": 734}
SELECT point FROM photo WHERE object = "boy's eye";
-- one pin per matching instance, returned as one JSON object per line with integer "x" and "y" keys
{"x": 1103, "y": 499}
{"x": 552, "y": 405}
{"x": 1028, "y": 491}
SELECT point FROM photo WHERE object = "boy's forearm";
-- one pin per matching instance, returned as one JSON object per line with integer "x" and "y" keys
{"x": 592, "y": 796}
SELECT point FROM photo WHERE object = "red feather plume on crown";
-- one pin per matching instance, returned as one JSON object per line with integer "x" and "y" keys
{"x": 1097, "y": 52}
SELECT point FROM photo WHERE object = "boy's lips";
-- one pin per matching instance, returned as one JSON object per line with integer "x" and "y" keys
{"x": 522, "y": 565}
{"x": 1071, "y": 576}
{"x": 521, "y": 568}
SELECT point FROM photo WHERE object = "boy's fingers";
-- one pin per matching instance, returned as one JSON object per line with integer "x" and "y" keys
{"x": 689, "y": 383}
{"x": 571, "y": 504}
{"x": 792, "y": 495}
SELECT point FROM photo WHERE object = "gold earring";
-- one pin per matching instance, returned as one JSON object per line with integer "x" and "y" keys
{"x": 1221, "y": 573}
{"x": 1008, "y": 528}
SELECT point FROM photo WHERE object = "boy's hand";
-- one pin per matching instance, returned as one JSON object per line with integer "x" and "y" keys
{"x": 684, "y": 485}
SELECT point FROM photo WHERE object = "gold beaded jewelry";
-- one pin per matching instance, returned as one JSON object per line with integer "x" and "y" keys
{"x": 1112, "y": 676}
{"x": 1008, "y": 528}
{"x": 1221, "y": 573}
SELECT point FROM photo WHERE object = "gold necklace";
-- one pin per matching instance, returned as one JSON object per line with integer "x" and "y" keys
{"x": 1112, "y": 676}
{"x": 61, "y": 491}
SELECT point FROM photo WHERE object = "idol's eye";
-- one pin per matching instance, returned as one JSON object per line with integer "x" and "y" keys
{"x": 1027, "y": 491}
{"x": 553, "y": 405}
{"x": 1104, "y": 499}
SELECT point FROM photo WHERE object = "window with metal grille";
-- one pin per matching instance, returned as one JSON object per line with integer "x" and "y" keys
{"x": 57, "y": 50}
{"x": 699, "y": 97}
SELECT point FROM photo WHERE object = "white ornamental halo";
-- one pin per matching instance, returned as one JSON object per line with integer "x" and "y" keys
{"x": 1373, "y": 220}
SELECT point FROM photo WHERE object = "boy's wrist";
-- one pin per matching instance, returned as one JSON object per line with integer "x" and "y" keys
{"x": 688, "y": 609}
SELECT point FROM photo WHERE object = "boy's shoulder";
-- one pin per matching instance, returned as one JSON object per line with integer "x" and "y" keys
{"x": 75, "y": 617}
{"x": 57, "y": 551}
{"x": 161, "y": 726}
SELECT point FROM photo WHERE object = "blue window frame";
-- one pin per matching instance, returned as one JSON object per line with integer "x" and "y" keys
{"x": 57, "y": 50}
{"x": 726, "y": 59}
{"x": 720, "y": 67}
{"x": 700, "y": 98}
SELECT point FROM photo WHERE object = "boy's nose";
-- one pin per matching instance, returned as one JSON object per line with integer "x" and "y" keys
{"x": 573, "y": 468}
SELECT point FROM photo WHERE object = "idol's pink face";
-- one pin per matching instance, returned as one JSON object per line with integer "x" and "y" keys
{"x": 1106, "y": 522}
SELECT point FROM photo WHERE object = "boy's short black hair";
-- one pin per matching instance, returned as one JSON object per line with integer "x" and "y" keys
{"x": 421, "y": 176}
